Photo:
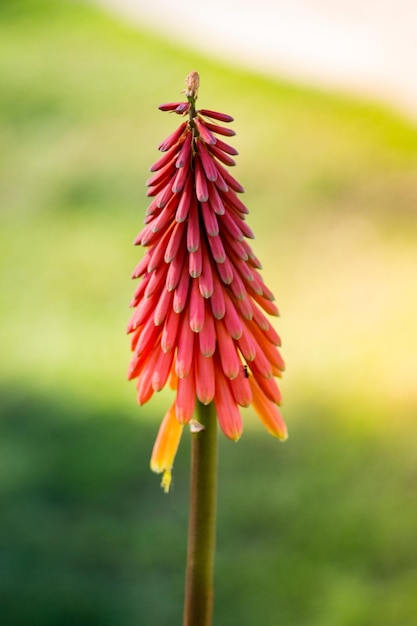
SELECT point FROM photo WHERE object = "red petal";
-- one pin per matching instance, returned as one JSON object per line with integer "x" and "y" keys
{"x": 162, "y": 369}
{"x": 181, "y": 293}
{"x": 229, "y": 180}
{"x": 220, "y": 130}
{"x": 185, "y": 401}
{"x": 200, "y": 181}
{"x": 247, "y": 344}
{"x": 225, "y": 271}
{"x": 158, "y": 250}
{"x": 237, "y": 287}
{"x": 222, "y": 156}
{"x": 228, "y": 223}
{"x": 218, "y": 304}
{"x": 197, "y": 308}
{"x": 222, "y": 117}
{"x": 142, "y": 312}
{"x": 169, "y": 333}
{"x": 165, "y": 195}
{"x": 185, "y": 152}
{"x": 179, "y": 179}
{"x": 193, "y": 227}
{"x": 148, "y": 337}
{"x": 174, "y": 242}
{"x": 144, "y": 386}
{"x": 140, "y": 290}
{"x": 232, "y": 320}
{"x": 185, "y": 348}
{"x": 206, "y": 277}
{"x": 241, "y": 389}
{"x": 165, "y": 158}
{"x": 173, "y": 138}
{"x": 215, "y": 200}
{"x": 184, "y": 203}
{"x": 207, "y": 162}
{"x": 176, "y": 269}
{"x": 204, "y": 377}
{"x": 209, "y": 219}
{"x": 227, "y": 410}
{"x": 165, "y": 173}
{"x": 164, "y": 305}
{"x": 142, "y": 266}
{"x": 221, "y": 145}
{"x": 227, "y": 350}
{"x": 217, "y": 249}
{"x": 158, "y": 277}
{"x": 170, "y": 106}
{"x": 204, "y": 132}
{"x": 230, "y": 198}
{"x": 207, "y": 336}
{"x": 195, "y": 263}
{"x": 244, "y": 307}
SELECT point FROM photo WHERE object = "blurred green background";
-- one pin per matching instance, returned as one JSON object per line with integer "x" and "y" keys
{"x": 319, "y": 531}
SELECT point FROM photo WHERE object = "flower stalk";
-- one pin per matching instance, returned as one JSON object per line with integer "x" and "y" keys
{"x": 198, "y": 604}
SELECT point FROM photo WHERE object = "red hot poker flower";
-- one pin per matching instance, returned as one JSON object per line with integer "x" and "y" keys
{"x": 198, "y": 322}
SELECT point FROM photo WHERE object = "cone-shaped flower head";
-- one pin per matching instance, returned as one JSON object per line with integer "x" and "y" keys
{"x": 199, "y": 319}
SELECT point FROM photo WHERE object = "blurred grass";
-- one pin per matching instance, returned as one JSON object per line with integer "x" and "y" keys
{"x": 319, "y": 531}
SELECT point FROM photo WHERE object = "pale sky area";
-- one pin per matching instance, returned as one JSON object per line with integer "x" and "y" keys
{"x": 367, "y": 47}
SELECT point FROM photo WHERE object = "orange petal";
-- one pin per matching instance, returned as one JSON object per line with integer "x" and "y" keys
{"x": 267, "y": 411}
{"x": 166, "y": 446}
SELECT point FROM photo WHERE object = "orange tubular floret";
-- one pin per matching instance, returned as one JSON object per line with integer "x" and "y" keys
{"x": 267, "y": 411}
{"x": 166, "y": 446}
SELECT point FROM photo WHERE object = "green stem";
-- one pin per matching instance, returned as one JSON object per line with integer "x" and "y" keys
{"x": 198, "y": 609}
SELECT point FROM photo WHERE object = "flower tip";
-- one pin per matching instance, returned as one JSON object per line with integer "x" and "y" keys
{"x": 130, "y": 373}
{"x": 278, "y": 428}
{"x": 282, "y": 435}
{"x": 166, "y": 481}
{"x": 234, "y": 436}
{"x": 166, "y": 475}
{"x": 192, "y": 83}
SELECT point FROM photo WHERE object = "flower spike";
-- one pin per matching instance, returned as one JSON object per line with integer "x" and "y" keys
{"x": 198, "y": 321}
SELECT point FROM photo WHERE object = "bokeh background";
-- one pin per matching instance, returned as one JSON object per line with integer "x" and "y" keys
{"x": 319, "y": 531}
